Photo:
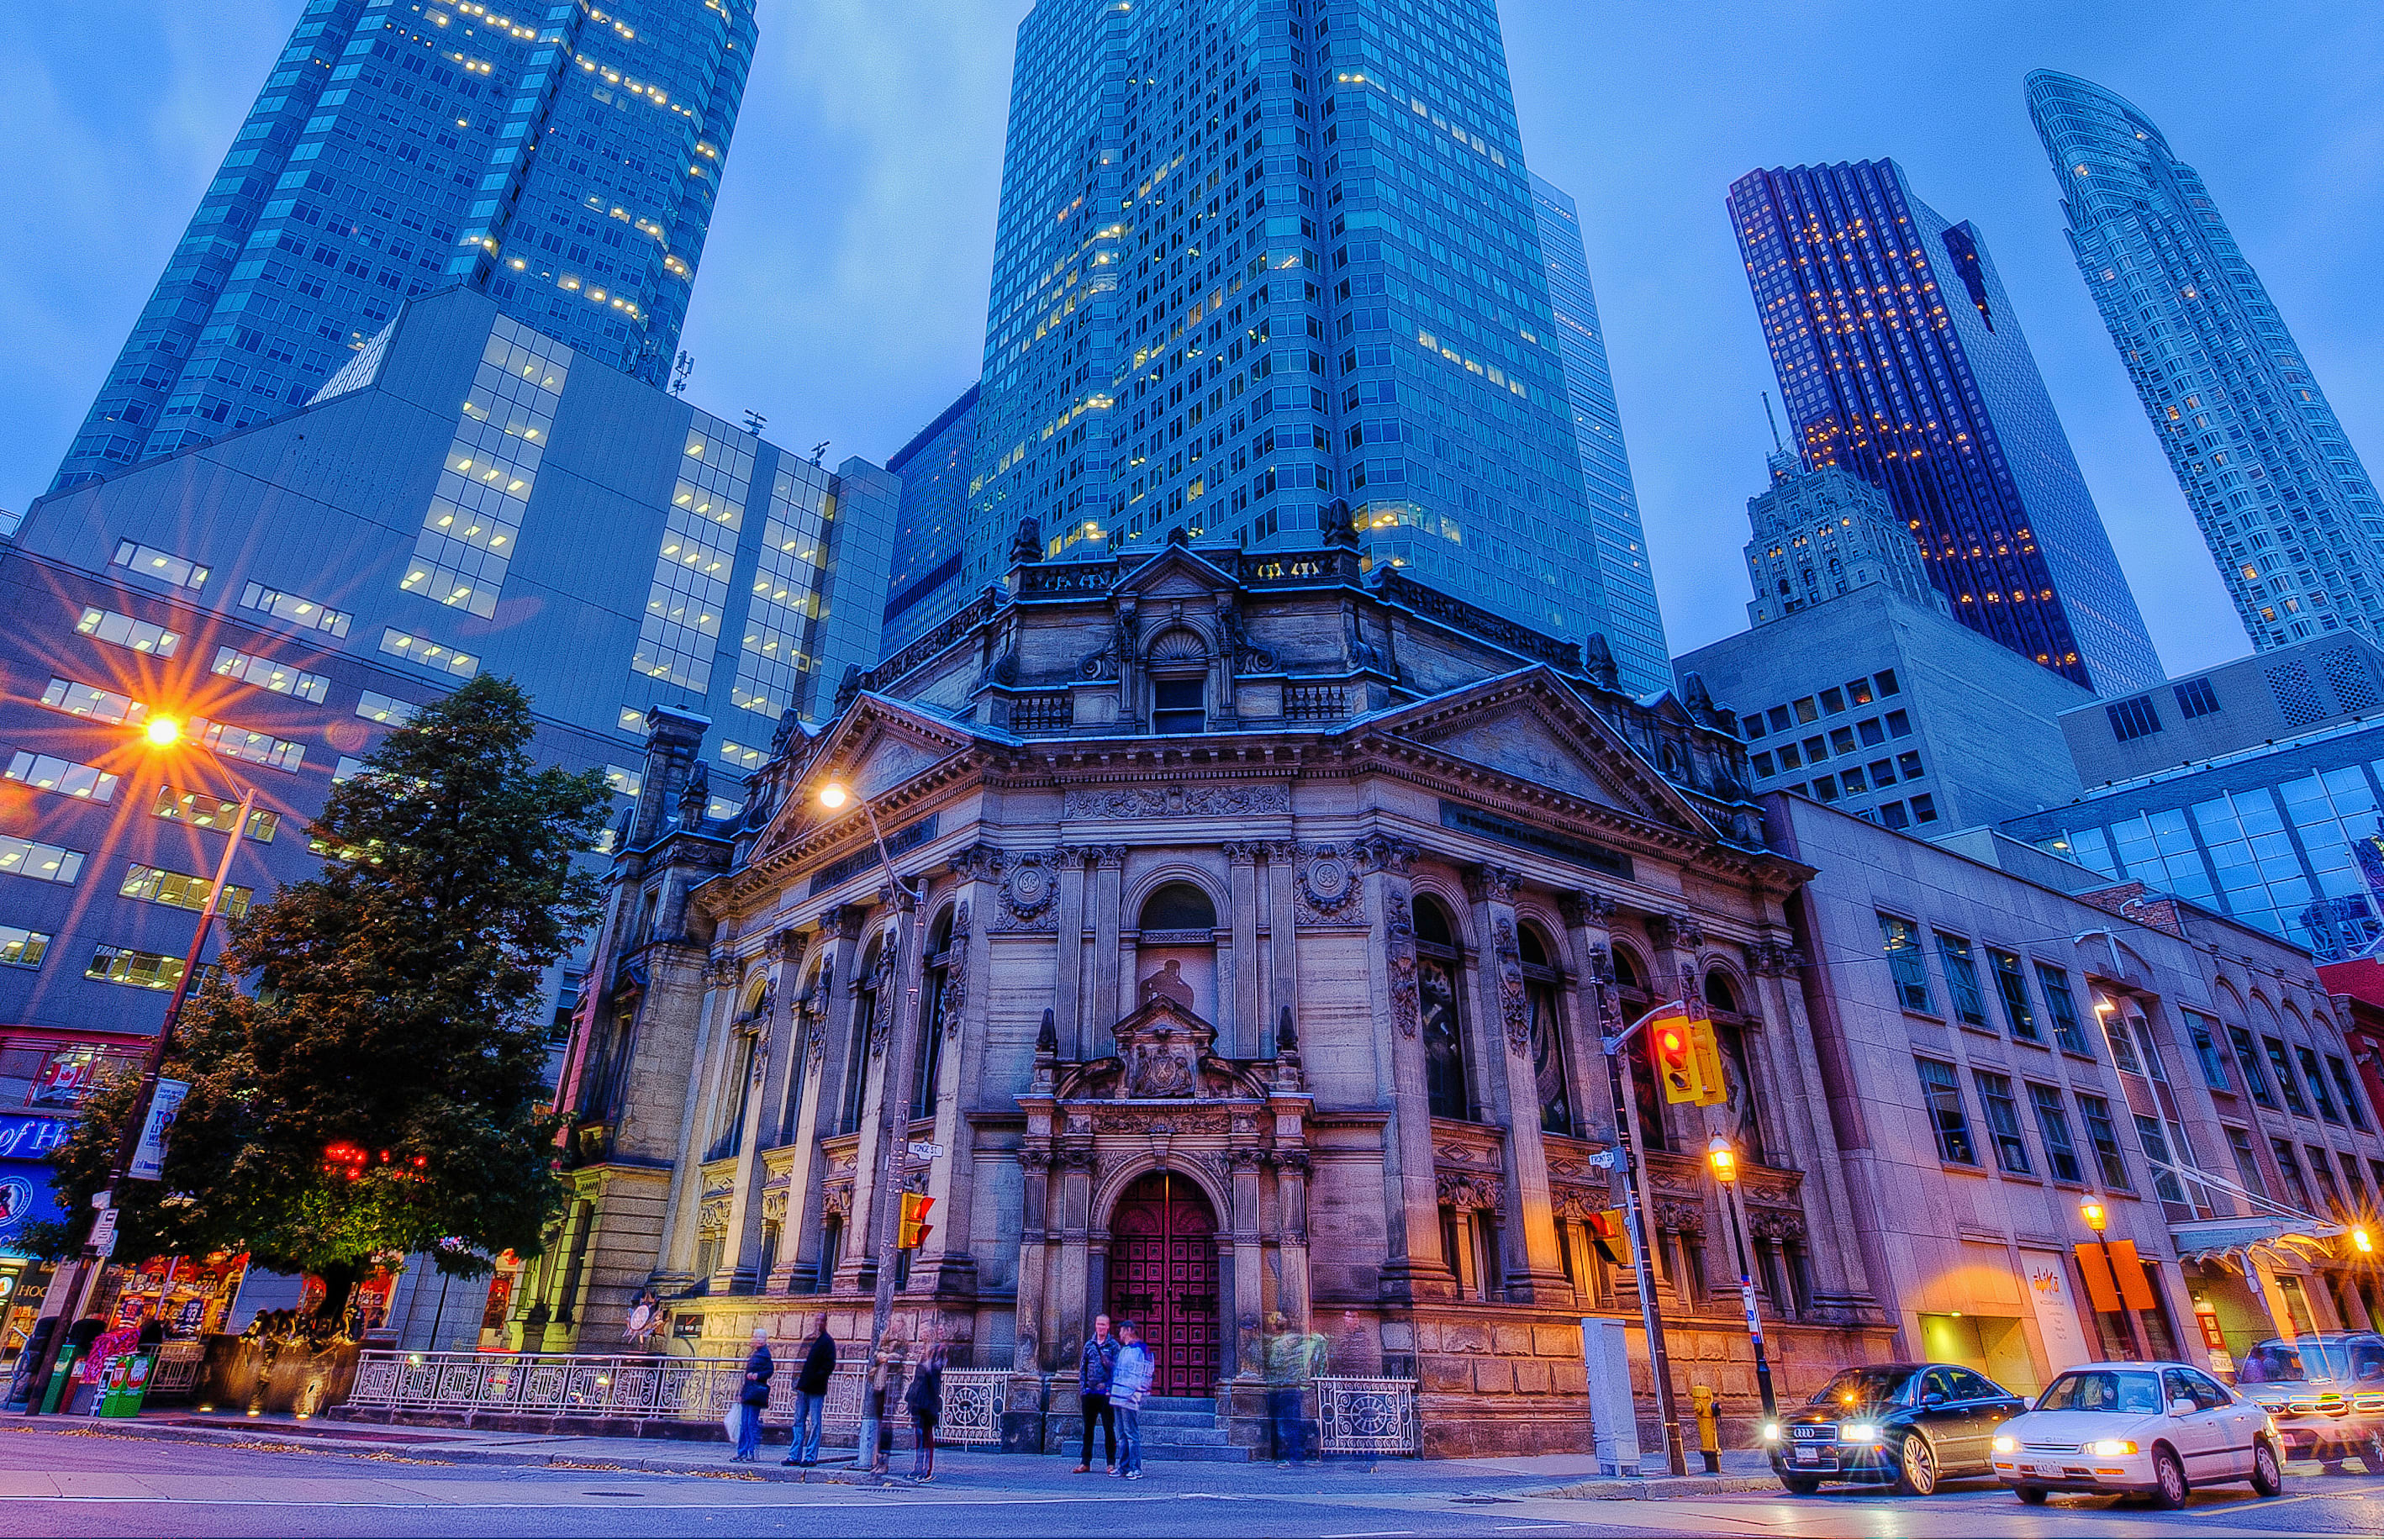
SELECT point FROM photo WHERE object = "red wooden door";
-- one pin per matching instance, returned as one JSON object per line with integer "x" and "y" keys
{"x": 1163, "y": 1276}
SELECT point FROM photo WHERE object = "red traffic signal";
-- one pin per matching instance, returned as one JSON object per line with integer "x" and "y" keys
{"x": 915, "y": 1221}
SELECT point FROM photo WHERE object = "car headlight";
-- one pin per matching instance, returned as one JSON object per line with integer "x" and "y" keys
{"x": 2004, "y": 1445}
{"x": 1859, "y": 1432}
{"x": 2111, "y": 1448}
{"x": 1772, "y": 1433}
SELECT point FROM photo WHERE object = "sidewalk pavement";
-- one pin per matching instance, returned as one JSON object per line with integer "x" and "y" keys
{"x": 1562, "y": 1475}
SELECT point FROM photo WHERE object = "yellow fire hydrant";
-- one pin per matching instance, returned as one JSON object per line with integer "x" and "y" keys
{"x": 1708, "y": 1426}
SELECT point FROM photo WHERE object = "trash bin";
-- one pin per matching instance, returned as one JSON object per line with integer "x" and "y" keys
{"x": 126, "y": 1381}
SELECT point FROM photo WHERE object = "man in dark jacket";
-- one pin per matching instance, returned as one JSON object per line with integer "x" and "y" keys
{"x": 1093, "y": 1372}
{"x": 811, "y": 1395}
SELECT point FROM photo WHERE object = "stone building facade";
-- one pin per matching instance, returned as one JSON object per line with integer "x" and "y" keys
{"x": 1273, "y": 908}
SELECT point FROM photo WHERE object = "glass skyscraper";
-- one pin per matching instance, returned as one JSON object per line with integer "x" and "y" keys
{"x": 1900, "y": 358}
{"x": 563, "y": 159}
{"x": 2289, "y": 513}
{"x": 1258, "y": 255}
{"x": 1634, "y": 627}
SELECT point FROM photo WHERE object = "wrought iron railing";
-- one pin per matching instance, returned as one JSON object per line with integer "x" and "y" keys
{"x": 1368, "y": 1416}
{"x": 643, "y": 1388}
{"x": 178, "y": 1364}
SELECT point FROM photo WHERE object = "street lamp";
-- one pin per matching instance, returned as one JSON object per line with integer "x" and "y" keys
{"x": 159, "y": 733}
{"x": 2099, "y": 1220}
{"x": 894, "y": 1115}
{"x": 1723, "y": 1158}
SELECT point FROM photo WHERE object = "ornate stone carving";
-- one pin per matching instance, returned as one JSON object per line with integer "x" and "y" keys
{"x": 881, "y": 1023}
{"x": 1678, "y": 932}
{"x": 1327, "y": 892}
{"x": 955, "y": 1001}
{"x": 1584, "y": 910}
{"x": 1035, "y": 1162}
{"x": 1077, "y": 1157}
{"x": 1471, "y": 1190}
{"x": 1380, "y": 852}
{"x": 1688, "y": 1219}
{"x": 1513, "y": 1002}
{"x": 979, "y": 863}
{"x": 721, "y": 969}
{"x": 1293, "y": 1162}
{"x": 1241, "y": 852}
{"x": 1140, "y": 1121}
{"x": 1492, "y": 884}
{"x": 1229, "y": 801}
{"x": 1248, "y": 657}
{"x": 838, "y": 1197}
{"x": 1398, "y": 945}
{"x": 1775, "y": 1225}
{"x": 810, "y": 1015}
{"x": 774, "y": 1203}
{"x": 1030, "y": 888}
{"x": 1773, "y": 960}
{"x": 1163, "y": 1056}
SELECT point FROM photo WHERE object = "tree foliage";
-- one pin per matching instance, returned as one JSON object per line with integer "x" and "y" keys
{"x": 366, "y": 1071}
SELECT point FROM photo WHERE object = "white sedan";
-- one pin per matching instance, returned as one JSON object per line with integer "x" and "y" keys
{"x": 2156, "y": 1430}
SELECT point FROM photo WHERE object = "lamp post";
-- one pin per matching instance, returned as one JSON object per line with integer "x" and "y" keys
{"x": 894, "y": 1116}
{"x": 1723, "y": 1158}
{"x": 2098, "y": 1220}
{"x": 159, "y": 733}
{"x": 1626, "y": 1130}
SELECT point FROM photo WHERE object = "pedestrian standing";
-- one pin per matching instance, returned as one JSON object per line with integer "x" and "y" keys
{"x": 926, "y": 1400}
{"x": 1129, "y": 1382}
{"x": 1293, "y": 1359}
{"x": 752, "y": 1396}
{"x": 884, "y": 1394}
{"x": 1093, "y": 1370}
{"x": 811, "y": 1395}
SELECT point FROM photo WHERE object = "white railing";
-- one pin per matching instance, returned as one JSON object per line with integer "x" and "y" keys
{"x": 177, "y": 1372}
{"x": 1368, "y": 1416}
{"x": 643, "y": 1388}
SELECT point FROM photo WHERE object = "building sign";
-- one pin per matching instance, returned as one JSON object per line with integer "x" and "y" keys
{"x": 2057, "y": 1317}
{"x": 845, "y": 868}
{"x": 25, "y": 1137}
{"x": 1523, "y": 836}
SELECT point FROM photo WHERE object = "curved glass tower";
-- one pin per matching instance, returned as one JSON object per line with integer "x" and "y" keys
{"x": 2289, "y": 514}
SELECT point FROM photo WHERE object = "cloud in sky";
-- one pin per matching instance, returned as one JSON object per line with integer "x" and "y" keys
{"x": 843, "y": 288}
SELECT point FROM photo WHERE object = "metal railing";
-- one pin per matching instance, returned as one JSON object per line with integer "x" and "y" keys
{"x": 1368, "y": 1416}
{"x": 177, "y": 1372}
{"x": 643, "y": 1388}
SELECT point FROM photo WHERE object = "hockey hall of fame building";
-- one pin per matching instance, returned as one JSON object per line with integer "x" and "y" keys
{"x": 1271, "y": 909}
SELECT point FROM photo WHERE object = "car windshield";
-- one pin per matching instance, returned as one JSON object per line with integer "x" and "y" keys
{"x": 2309, "y": 1359}
{"x": 2103, "y": 1390}
{"x": 1863, "y": 1387}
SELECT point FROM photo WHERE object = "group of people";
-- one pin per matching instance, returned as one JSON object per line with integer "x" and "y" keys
{"x": 924, "y": 1400}
{"x": 1113, "y": 1375}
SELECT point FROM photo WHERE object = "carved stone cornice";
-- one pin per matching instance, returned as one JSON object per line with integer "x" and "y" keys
{"x": 1471, "y": 1190}
{"x": 1491, "y": 884}
{"x": 1380, "y": 852}
{"x": 1584, "y": 910}
{"x": 1211, "y": 800}
{"x": 1773, "y": 960}
{"x": 1676, "y": 932}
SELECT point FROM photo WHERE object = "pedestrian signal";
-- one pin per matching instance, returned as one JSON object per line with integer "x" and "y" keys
{"x": 915, "y": 1221}
{"x": 1612, "y": 1236}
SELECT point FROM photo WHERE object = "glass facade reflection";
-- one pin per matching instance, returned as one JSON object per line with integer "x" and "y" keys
{"x": 1899, "y": 357}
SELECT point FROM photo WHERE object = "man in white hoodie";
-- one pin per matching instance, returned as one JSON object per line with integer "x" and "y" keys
{"x": 1129, "y": 1382}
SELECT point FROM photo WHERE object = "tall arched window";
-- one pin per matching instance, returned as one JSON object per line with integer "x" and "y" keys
{"x": 1439, "y": 973}
{"x": 1551, "y": 1070}
{"x": 928, "y": 1067}
{"x": 1731, "y": 1024}
{"x": 1631, "y": 985}
{"x": 1175, "y": 948}
{"x": 856, "y": 1052}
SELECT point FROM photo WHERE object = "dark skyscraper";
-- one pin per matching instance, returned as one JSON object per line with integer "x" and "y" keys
{"x": 563, "y": 159}
{"x": 1899, "y": 358}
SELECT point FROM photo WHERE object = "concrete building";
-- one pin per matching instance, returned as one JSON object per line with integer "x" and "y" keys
{"x": 469, "y": 497}
{"x": 934, "y": 468}
{"x": 2248, "y": 706}
{"x": 1821, "y": 533}
{"x": 1271, "y": 913}
{"x": 1896, "y": 711}
{"x": 1999, "y": 1047}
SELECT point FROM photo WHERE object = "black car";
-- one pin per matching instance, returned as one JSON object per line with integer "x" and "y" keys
{"x": 1909, "y": 1424}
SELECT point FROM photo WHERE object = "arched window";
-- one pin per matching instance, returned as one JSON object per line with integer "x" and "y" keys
{"x": 1175, "y": 951}
{"x": 1178, "y": 664}
{"x": 1543, "y": 1002}
{"x": 1731, "y": 1024}
{"x": 1439, "y": 972}
{"x": 934, "y": 1010}
{"x": 856, "y": 1054}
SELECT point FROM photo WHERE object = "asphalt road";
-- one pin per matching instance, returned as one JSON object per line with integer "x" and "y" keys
{"x": 87, "y": 1485}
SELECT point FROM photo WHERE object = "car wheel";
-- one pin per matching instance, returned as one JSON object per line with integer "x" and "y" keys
{"x": 2168, "y": 1480}
{"x": 1916, "y": 1471}
{"x": 2268, "y": 1475}
{"x": 2032, "y": 1495}
{"x": 1804, "y": 1486}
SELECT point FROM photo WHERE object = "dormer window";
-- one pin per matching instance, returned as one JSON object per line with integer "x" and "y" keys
{"x": 1176, "y": 705}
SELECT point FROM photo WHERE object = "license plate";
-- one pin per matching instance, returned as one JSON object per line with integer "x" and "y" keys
{"x": 2044, "y": 1470}
{"x": 1808, "y": 1457}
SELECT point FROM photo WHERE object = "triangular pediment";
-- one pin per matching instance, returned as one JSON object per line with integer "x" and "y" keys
{"x": 875, "y": 748}
{"x": 1533, "y": 726}
{"x": 1176, "y": 572}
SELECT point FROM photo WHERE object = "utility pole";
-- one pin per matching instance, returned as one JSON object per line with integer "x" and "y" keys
{"x": 1615, "y": 1043}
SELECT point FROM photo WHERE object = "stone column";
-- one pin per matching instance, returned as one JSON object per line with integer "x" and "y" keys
{"x": 1072, "y": 1281}
{"x": 946, "y": 1265}
{"x": 1242, "y": 1267}
{"x": 675, "y": 1260}
{"x": 858, "y": 1268}
{"x": 1836, "y": 1261}
{"x": 1291, "y": 1167}
{"x": 798, "y": 1233}
{"x": 1238, "y": 1026}
{"x": 1068, "y": 959}
{"x": 1108, "y": 869}
{"x": 1585, "y": 916}
{"x": 1413, "y": 1268}
{"x": 1283, "y": 941}
{"x": 740, "y": 1259}
{"x": 1533, "y": 1269}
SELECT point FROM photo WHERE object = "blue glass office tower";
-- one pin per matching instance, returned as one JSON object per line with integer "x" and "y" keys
{"x": 1258, "y": 255}
{"x": 563, "y": 159}
{"x": 1634, "y": 627}
{"x": 1900, "y": 358}
{"x": 934, "y": 468}
{"x": 2289, "y": 513}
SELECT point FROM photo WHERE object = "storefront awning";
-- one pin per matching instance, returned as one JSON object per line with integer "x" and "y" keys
{"x": 2238, "y": 1243}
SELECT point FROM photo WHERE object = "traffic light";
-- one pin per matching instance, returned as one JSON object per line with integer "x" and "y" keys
{"x": 1672, "y": 1050}
{"x": 1612, "y": 1236}
{"x": 1706, "y": 1052}
{"x": 915, "y": 1221}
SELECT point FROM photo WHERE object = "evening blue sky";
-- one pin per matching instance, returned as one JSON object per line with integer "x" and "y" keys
{"x": 842, "y": 293}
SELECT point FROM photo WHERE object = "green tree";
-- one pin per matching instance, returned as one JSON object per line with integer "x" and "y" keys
{"x": 366, "y": 1071}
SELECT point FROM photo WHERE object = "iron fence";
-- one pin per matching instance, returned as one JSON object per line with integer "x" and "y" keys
{"x": 1368, "y": 1416}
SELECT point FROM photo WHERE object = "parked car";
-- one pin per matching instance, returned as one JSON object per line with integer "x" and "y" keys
{"x": 2156, "y": 1430}
{"x": 1909, "y": 1424}
{"x": 2324, "y": 1392}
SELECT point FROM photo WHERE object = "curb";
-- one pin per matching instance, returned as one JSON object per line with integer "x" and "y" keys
{"x": 1656, "y": 1488}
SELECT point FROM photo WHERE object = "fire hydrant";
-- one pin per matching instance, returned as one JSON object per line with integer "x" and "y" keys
{"x": 1708, "y": 1426}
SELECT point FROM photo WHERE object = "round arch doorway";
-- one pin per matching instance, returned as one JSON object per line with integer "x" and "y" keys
{"x": 1163, "y": 1276}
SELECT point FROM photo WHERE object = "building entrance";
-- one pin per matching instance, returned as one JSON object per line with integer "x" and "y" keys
{"x": 1163, "y": 1276}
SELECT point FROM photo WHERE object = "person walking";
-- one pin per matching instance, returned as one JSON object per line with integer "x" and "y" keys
{"x": 885, "y": 1389}
{"x": 926, "y": 1400}
{"x": 1129, "y": 1382}
{"x": 1292, "y": 1360}
{"x": 752, "y": 1396}
{"x": 1093, "y": 1370}
{"x": 811, "y": 1395}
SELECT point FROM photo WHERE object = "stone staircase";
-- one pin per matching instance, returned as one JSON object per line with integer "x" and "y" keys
{"x": 1185, "y": 1427}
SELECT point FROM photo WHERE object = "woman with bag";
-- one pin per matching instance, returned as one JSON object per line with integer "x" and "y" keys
{"x": 752, "y": 1397}
{"x": 926, "y": 1403}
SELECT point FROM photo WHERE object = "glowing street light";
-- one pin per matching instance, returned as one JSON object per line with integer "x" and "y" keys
{"x": 2362, "y": 1242}
{"x": 2091, "y": 1213}
{"x": 163, "y": 732}
{"x": 2098, "y": 1220}
{"x": 833, "y": 796}
{"x": 1723, "y": 1157}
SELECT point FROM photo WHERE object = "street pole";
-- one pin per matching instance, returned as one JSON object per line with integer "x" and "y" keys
{"x": 893, "y": 1136}
{"x": 1735, "y": 1202}
{"x": 150, "y": 1064}
{"x": 1626, "y": 1129}
{"x": 2098, "y": 1218}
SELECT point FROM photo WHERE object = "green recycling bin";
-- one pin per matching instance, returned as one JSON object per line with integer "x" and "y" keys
{"x": 126, "y": 1382}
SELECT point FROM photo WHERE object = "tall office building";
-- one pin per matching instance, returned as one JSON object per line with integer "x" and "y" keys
{"x": 1254, "y": 259}
{"x": 1634, "y": 628}
{"x": 563, "y": 159}
{"x": 1821, "y": 533}
{"x": 2289, "y": 513}
{"x": 925, "y": 586}
{"x": 1899, "y": 357}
